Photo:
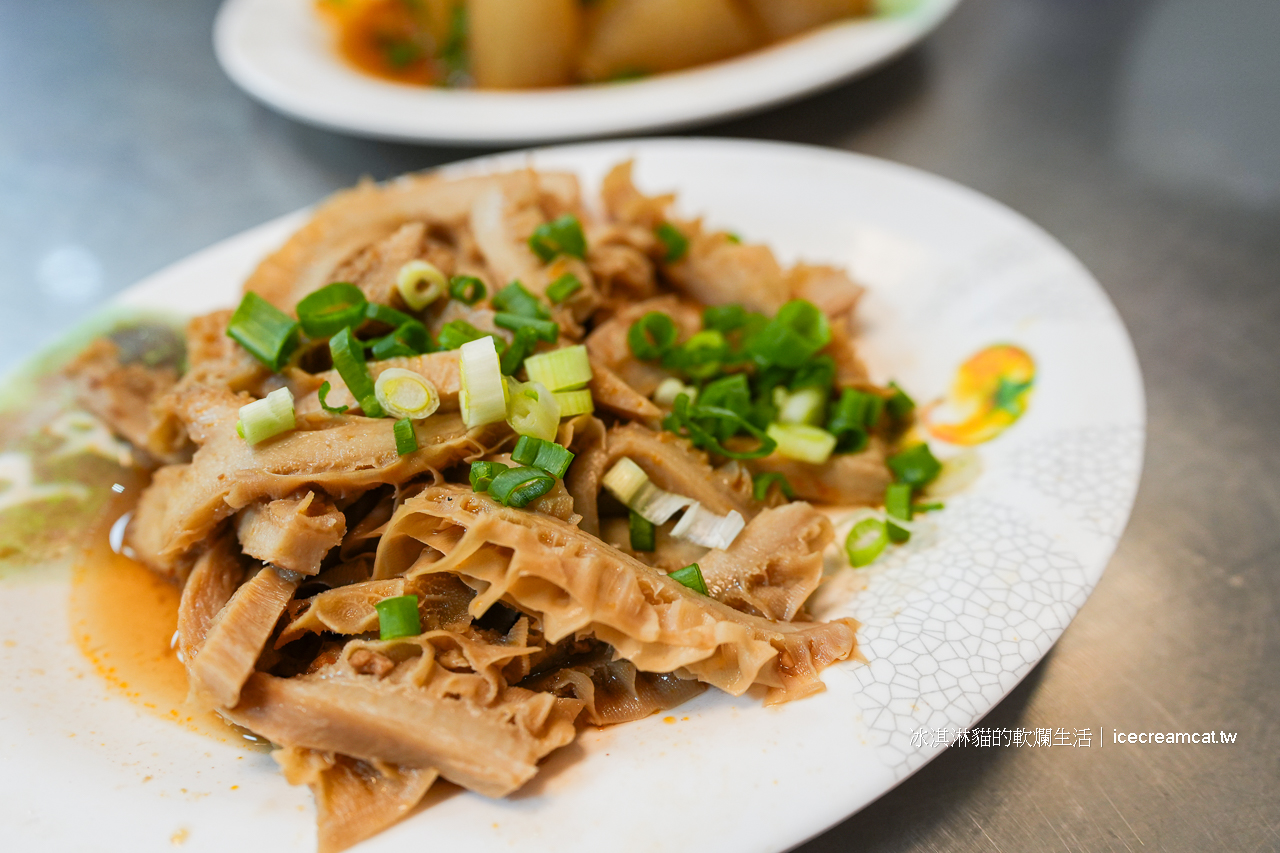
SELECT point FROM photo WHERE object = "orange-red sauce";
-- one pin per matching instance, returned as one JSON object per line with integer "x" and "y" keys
{"x": 384, "y": 39}
{"x": 123, "y": 618}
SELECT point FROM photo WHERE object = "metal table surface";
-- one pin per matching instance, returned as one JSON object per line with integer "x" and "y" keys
{"x": 1144, "y": 135}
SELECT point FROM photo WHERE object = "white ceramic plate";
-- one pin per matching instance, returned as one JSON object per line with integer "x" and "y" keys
{"x": 951, "y": 621}
{"x": 279, "y": 52}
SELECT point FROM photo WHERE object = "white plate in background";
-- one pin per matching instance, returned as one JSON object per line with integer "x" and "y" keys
{"x": 280, "y": 52}
{"x": 952, "y": 621}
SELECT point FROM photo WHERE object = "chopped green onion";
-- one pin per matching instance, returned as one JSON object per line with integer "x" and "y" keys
{"x": 690, "y": 576}
{"x": 386, "y": 315}
{"x": 628, "y": 482}
{"x": 643, "y": 532}
{"x": 348, "y": 359}
{"x": 409, "y": 339}
{"x": 915, "y": 466}
{"x": 675, "y": 244}
{"x": 802, "y": 442}
{"x": 792, "y": 337}
{"x": 266, "y": 332}
{"x": 957, "y": 474}
{"x": 818, "y": 372}
{"x": 652, "y": 336}
{"x": 727, "y": 392}
{"x": 800, "y": 407}
{"x": 268, "y": 417}
{"x": 733, "y": 238}
{"x": 762, "y": 482}
{"x": 455, "y": 333}
{"x": 561, "y": 236}
{"x": 685, "y": 416}
{"x": 398, "y": 617}
{"x": 518, "y": 486}
{"x": 624, "y": 480}
{"x": 899, "y": 405}
{"x": 405, "y": 394}
{"x": 420, "y": 283}
{"x": 406, "y": 438}
{"x": 533, "y": 410}
{"x": 866, "y": 541}
{"x": 897, "y": 504}
{"x": 725, "y": 318}
{"x": 563, "y": 287}
{"x": 670, "y": 388}
{"x": 574, "y": 403}
{"x": 564, "y": 369}
{"x": 331, "y": 309}
{"x": 484, "y": 391}
{"x": 482, "y": 474}
{"x": 525, "y": 342}
{"x": 515, "y": 298}
{"x": 701, "y": 356}
{"x": 701, "y": 526}
{"x": 546, "y": 330}
{"x": 467, "y": 289}
{"x": 539, "y": 453}
{"x": 325, "y": 388}
{"x": 852, "y": 418}
{"x": 930, "y": 506}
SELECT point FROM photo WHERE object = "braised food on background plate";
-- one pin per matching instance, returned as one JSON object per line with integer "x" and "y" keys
{"x": 471, "y": 467}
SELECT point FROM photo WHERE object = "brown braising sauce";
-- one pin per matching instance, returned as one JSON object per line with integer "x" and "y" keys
{"x": 123, "y": 618}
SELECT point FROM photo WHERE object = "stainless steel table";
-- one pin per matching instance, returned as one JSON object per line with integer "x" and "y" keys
{"x": 1145, "y": 135}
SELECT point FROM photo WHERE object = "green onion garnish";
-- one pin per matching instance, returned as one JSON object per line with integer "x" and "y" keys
{"x": 562, "y": 236}
{"x": 762, "y": 482}
{"x": 386, "y": 315}
{"x": 564, "y": 369}
{"x": 325, "y": 388}
{"x": 700, "y": 357}
{"x": 483, "y": 396}
{"x": 685, "y": 416}
{"x": 398, "y": 617}
{"x": 518, "y": 486}
{"x": 802, "y": 442}
{"x": 727, "y": 392}
{"x": 852, "y": 418}
{"x": 348, "y": 360}
{"x": 735, "y": 239}
{"x": 420, "y": 283}
{"x": 652, "y": 336}
{"x": 268, "y": 417}
{"x": 458, "y": 332}
{"x": 643, "y": 532}
{"x": 724, "y": 318}
{"x": 515, "y": 298}
{"x": 930, "y": 506}
{"x": 406, "y": 439}
{"x": 331, "y": 309}
{"x": 482, "y": 474}
{"x": 269, "y": 334}
{"x": 897, "y": 504}
{"x": 792, "y": 337}
{"x": 467, "y": 289}
{"x": 805, "y": 406}
{"x": 914, "y": 466}
{"x": 674, "y": 242}
{"x": 406, "y": 394}
{"x": 899, "y": 405}
{"x": 526, "y": 340}
{"x": 563, "y": 287}
{"x": 574, "y": 402}
{"x": 539, "y": 453}
{"x": 545, "y": 329}
{"x": 690, "y": 576}
{"x": 410, "y": 339}
{"x": 532, "y": 410}
{"x": 865, "y": 542}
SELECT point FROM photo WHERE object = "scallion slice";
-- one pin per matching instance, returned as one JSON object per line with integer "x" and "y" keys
{"x": 266, "y": 332}
{"x": 670, "y": 388}
{"x": 899, "y": 405}
{"x": 652, "y": 336}
{"x": 545, "y": 329}
{"x": 703, "y": 527}
{"x": 482, "y": 474}
{"x": 728, "y": 392}
{"x": 405, "y": 394}
{"x": 406, "y": 438}
{"x": 852, "y": 417}
{"x": 792, "y": 337}
{"x": 761, "y": 484}
{"x": 268, "y": 417}
{"x": 624, "y": 480}
{"x": 915, "y": 466}
{"x": 675, "y": 244}
{"x": 409, "y": 339}
{"x": 802, "y": 442}
{"x": 800, "y": 407}
{"x": 865, "y": 542}
{"x": 515, "y": 298}
{"x": 701, "y": 357}
{"x": 561, "y": 236}
{"x": 484, "y": 391}
{"x": 532, "y": 410}
{"x": 518, "y": 486}
{"x": 467, "y": 289}
{"x": 573, "y": 403}
{"x": 420, "y": 283}
{"x": 540, "y": 453}
{"x": 563, "y": 287}
{"x": 331, "y": 309}
{"x": 455, "y": 333}
{"x": 628, "y": 482}
{"x": 687, "y": 417}
{"x": 325, "y": 388}
{"x": 513, "y": 357}
{"x": 398, "y": 617}
{"x": 348, "y": 360}
{"x": 386, "y": 315}
{"x": 897, "y": 504}
{"x": 565, "y": 369}
{"x": 643, "y": 532}
{"x": 690, "y": 576}
{"x": 725, "y": 318}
